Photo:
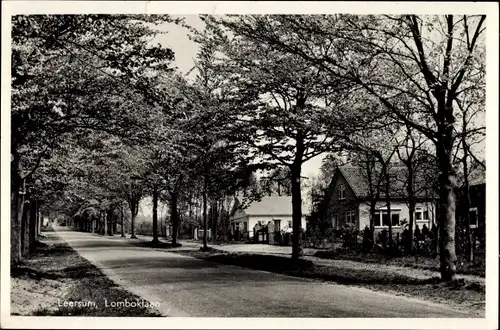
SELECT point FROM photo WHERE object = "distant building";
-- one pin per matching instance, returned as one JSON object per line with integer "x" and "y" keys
{"x": 275, "y": 210}
{"x": 477, "y": 198}
{"x": 349, "y": 205}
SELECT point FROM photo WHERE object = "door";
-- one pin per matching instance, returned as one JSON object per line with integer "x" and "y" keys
{"x": 277, "y": 225}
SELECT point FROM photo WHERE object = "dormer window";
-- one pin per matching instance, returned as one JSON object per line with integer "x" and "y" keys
{"x": 342, "y": 191}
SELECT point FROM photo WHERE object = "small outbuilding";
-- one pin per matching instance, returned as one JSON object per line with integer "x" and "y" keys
{"x": 269, "y": 215}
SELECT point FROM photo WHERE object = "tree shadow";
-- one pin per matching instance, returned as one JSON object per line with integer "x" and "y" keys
{"x": 158, "y": 244}
{"x": 77, "y": 272}
{"x": 307, "y": 269}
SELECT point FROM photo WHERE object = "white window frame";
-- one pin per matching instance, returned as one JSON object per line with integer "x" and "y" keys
{"x": 351, "y": 215}
{"x": 473, "y": 209}
{"x": 342, "y": 191}
{"x": 379, "y": 224}
{"x": 421, "y": 210}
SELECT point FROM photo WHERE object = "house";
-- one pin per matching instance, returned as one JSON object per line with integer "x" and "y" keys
{"x": 477, "y": 199}
{"x": 350, "y": 204}
{"x": 275, "y": 210}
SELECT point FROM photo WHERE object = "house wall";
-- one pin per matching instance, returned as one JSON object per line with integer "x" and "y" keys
{"x": 477, "y": 195}
{"x": 239, "y": 222}
{"x": 252, "y": 221}
{"x": 363, "y": 219}
{"x": 340, "y": 206}
{"x": 285, "y": 220}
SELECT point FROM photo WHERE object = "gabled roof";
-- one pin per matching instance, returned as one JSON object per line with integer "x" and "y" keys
{"x": 477, "y": 177}
{"x": 273, "y": 205}
{"x": 357, "y": 179}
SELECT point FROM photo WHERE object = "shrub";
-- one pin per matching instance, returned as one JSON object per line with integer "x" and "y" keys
{"x": 349, "y": 237}
{"x": 406, "y": 239}
{"x": 425, "y": 232}
{"x": 383, "y": 237}
{"x": 367, "y": 239}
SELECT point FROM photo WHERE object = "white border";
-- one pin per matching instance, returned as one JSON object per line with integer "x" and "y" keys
{"x": 195, "y": 7}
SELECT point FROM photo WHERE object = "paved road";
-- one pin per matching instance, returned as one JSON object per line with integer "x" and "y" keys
{"x": 185, "y": 286}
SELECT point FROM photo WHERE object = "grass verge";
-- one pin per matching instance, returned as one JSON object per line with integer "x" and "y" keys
{"x": 56, "y": 281}
{"x": 464, "y": 267}
{"x": 461, "y": 294}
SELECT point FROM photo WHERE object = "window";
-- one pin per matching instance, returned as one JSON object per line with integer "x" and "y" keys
{"x": 473, "y": 216}
{"x": 381, "y": 218}
{"x": 385, "y": 219}
{"x": 421, "y": 214}
{"x": 342, "y": 191}
{"x": 350, "y": 218}
{"x": 395, "y": 219}
{"x": 245, "y": 226}
{"x": 289, "y": 223}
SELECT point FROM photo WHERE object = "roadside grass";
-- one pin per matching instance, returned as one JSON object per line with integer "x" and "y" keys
{"x": 460, "y": 293}
{"x": 56, "y": 275}
{"x": 477, "y": 267}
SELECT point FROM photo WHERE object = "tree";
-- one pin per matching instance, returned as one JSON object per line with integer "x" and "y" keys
{"x": 293, "y": 112}
{"x": 278, "y": 182}
{"x": 413, "y": 154}
{"x": 471, "y": 106}
{"x": 218, "y": 159}
{"x": 416, "y": 66}
{"x": 59, "y": 64}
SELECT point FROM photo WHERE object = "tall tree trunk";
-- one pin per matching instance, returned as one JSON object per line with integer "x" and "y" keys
{"x": 214, "y": 221}
{"x": 121, "y": 222}
{"x": 388, "y": 203}
{"x": 25, "y": 229}
{"x": 190, "y": 206}
{"x": 205, "y": 238}
{"x": 17, "y": 205}
{"x": 133, "y": 211}
{"x": 105, "y": 220}
{"x": 110, "y": 224}
{"x": 468, "y": 236}
{"x": 374, "y": 196}
{"x": 447, "y": 202}
{"x": 373, "y": 205}
{"x": 155, "y": 215}
{"x": 32, "y": 225}
{"x": 174, "y": 215}
{"x": 296, "y": 212}
{"x": 38, "y": 222}
{"x": 411, "y": 206}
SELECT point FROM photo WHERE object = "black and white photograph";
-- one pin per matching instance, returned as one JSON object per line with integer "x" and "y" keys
{"x": 265, "y": 164}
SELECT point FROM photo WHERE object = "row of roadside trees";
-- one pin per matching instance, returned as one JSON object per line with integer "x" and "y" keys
{"x": 100, "y": 113}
